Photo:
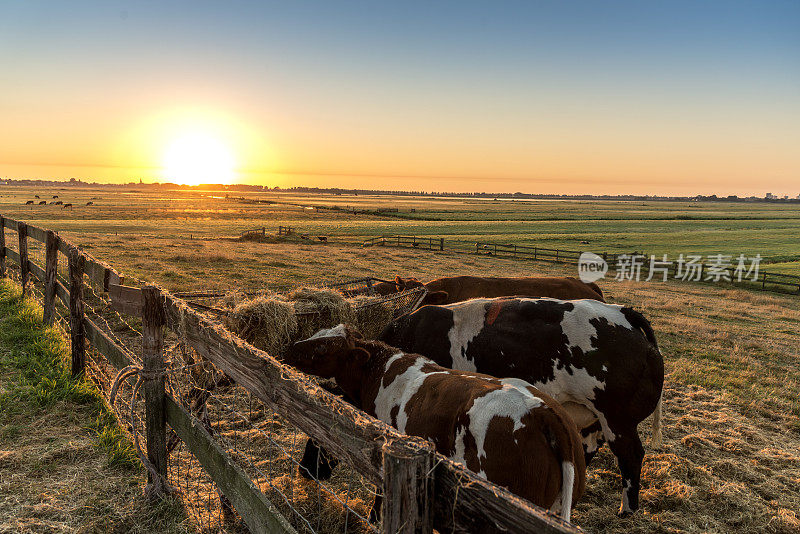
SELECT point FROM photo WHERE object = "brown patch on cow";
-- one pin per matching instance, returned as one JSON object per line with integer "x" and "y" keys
{"x": 534, "y": 455}
{"x": 494, "y": 311}
{"x": 393, "y": 415}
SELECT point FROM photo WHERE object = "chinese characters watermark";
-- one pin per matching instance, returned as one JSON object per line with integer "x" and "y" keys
{"x": 689, "y": 267}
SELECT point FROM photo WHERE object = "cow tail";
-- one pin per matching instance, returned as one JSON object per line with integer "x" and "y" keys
{"x": 657, "y": 439}
{"x": 639, "y": 321}
{"x": 567, "y": 483}
{"x": 568, "y": 449}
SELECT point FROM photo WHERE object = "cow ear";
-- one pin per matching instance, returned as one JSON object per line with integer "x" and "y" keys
{"x": 398, "y": 280}
{"x": 359, "y": 355}
{"x": 352, "y": 332}
{"x": 436, "y": 297}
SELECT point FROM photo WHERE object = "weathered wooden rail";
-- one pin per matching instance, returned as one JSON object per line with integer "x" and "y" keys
{"x": 422, "y": 489}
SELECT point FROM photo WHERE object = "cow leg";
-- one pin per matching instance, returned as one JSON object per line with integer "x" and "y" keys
{"x": 316, "y": 464}
{"x": 628, "y": 449}
{"x": 375, "y": 513}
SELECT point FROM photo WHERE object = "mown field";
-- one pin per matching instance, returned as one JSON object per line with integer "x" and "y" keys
{"x": 730, "y": 461}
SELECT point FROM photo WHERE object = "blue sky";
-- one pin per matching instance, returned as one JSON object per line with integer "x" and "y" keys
{"x": 594, "y": 94}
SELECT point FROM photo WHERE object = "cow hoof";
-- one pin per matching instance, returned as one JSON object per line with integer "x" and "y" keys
{"x": 625, "y": 513}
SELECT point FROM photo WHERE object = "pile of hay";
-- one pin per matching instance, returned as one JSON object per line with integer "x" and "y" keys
{"x": 272, "y": 321}
{"x": 267, "y": 321}
{"x": 319, "y": 308}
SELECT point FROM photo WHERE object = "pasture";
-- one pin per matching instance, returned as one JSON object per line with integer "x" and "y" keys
{"x": 732, "y": 427}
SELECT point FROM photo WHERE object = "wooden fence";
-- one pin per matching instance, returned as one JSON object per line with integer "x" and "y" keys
{"x": 254, "y": 232}
{"x": 422, "y": 489}
{"x": 765, "y": 280}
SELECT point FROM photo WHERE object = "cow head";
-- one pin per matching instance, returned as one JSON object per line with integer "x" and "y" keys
{"x": 328, "y": 353}
{"x": 404, "y": 284}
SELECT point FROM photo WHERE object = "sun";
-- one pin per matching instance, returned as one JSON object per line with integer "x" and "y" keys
{"x": 198, "y": 158}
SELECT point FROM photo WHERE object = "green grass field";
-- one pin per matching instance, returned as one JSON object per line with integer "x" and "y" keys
{"x": 673, "y": 228}
{"x": 730, "y": 460}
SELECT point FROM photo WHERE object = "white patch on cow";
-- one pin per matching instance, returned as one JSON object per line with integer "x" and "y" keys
{"x": 337, "y": 331}
{"x": 591, "y": 442}
{"x": 575, "y": 385}
{"x": 400, "y": 390}
{"x": 510, "y": 401}
{"x": 460, "y": 447}
{"x": 576, "y": 323}
{"x": 468, "y": 321}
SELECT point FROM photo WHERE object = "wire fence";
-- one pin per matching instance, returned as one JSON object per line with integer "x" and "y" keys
{"x": 234, "y": 450}
{"x": 262, "y": 443}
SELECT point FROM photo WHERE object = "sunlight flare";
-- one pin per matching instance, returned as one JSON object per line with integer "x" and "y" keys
{"x": 199, "y": 158}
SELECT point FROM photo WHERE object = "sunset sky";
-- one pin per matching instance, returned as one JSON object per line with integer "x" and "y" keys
{"x": 550, "y": 97}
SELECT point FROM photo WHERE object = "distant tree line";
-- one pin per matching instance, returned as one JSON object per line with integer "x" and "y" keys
{"x": 73, "y": 182}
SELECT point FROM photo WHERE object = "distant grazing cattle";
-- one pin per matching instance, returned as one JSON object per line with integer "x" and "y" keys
{"x": 36, "y": 196}
{"x": 506, "y": 431}
{"x": 601, "y": 361}
{"x": 57, "y": 202}
{"x": 29, "y": 202}
{"x": 67, "y": 205}
{"x": 90, "y": 203}
{"x": 55, "y": 196}
{"x": 42, "y": 202}
{"x": 323, "y": 238}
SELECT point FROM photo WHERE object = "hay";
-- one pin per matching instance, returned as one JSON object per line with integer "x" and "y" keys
{"x": 370, "y": 315}
{"x": 268, "y": 322}
{"x": 319, "y": 308}
{"x": 326, "y": 512}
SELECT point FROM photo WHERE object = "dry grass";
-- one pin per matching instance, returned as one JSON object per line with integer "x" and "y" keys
{"x": 716, "y": 472}
{"x": 53, "y": 478}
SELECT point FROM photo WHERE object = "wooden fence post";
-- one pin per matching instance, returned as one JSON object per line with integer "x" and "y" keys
{"x": 50, "y": 270}
{"x": 76, "y": 265}
{"x": 153, "y": 367}
{"x": 2, "y": 247}
{"x": 407, "y": 490}
{"x": 441, "y": 243}
{"x": 24, "y": 268}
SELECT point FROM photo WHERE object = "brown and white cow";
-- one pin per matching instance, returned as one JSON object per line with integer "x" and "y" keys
{"x": 600, "y": 361}
{"x": 506, "y": 431}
